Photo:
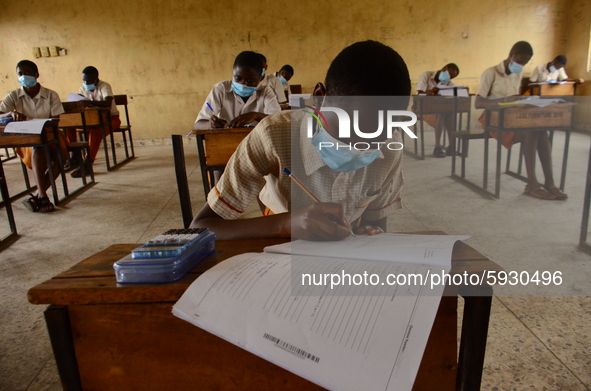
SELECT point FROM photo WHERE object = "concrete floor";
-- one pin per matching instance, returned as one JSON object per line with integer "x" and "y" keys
{"x": 539, "y": 338}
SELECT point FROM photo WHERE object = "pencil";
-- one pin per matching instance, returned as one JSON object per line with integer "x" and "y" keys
{"x": 309, "y": 193}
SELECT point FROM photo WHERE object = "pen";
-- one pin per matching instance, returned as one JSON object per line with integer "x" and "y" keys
{"x": 212, "y": 110}
{"x": 309, "y": 193}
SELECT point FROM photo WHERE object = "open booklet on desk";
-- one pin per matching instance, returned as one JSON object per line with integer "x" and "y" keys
{"x": 358, "y": 335}
{"x": 32, "y": 126}
{"x": 72, "y": 97}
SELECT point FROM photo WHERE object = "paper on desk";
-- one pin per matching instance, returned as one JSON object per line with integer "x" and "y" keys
{"x": 72, "y": 97}
{"x": 32, "y": 126}
{"x": 461, "y": 92}
{"x": 400, "y": 248}
{"x": 536, "y": 101}
{"x": 341, "y": 342}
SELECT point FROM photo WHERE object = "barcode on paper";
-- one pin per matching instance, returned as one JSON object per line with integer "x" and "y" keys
{"x": 291, "y": 349}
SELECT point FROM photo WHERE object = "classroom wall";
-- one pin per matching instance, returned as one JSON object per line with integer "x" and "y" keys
{"x": 166, "y": 55}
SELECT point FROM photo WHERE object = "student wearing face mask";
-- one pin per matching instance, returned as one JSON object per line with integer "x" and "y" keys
{"x": 428, "y": 84}
{"x": 360, "y": 188}
{"x": 552, "y": 71}
{"x": 236, "y": 103}
{"x": 284, "y": 75}
{"x": 271, "y": 81}
{"x": 501, "y": 83}
{"x": 100, "y": 93}
{"x": 31, "y": 101}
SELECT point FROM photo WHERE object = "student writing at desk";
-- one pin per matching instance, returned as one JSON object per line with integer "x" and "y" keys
{"x": 552, "y": 71}
{"x": 358, "y": 187}
{"x": 236, "y": 103}
{"x": 500, "y": 84}
{"x": 284, "y": 75}
{"x": 29, "y": 102}
{"x": 271, "y": 81}
{"x": 428, "y": 83}
{"x": 101, "y": 95}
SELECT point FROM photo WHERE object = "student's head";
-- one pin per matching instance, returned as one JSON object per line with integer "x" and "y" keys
{"x": 248, "y": 69}
{"x": 519, "y": 54}
{"x": 367, "y": 68}
{"x": 452, "y": 69}
{"x": 286, "y": 71}
{"x": 27, "y": 73}
{"x": 90, "y": 77}
{"x": 559, "y": 62}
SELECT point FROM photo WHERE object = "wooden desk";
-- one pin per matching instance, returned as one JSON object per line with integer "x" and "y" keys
{"x": 89, "y": 117}
{"x": 520, "y": 118}
{"x": 48, "y": 138}
{"x": 109, "y": 336}
{"x": 565, "y": 89}
{"x": 427, "y": 104}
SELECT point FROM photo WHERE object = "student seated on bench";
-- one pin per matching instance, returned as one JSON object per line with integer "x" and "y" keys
{"x": 362, "y": 188}
{"x": 31, "y": 101}
{"x": 552, "y": 71}
{"x": 236, "y": 103}
{"x": 501, "y": 84}
{"x": 271, "y": 81}
{"x": 284, "y": 75}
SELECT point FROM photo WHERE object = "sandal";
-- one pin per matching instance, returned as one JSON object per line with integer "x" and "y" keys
{"x": 45, "y": 206}
{"x": 539, "y": 192}
{"x": 556, "y": 192}
{"x": 31, "y": 203}
{"x": 438, "y": 152}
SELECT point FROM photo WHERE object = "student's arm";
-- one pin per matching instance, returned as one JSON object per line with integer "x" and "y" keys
{"x": 317, "y": 221}
{"x": 483, "y": 101}
{"x": 8, "y": 109}
{"x": 206, "y": 119}
{"x": 246, "y": 119}
{"x": 535, "y": 75}
{"x": 562, "y": 76}
{"x": 101, "y": 103}
{"x": 270, "y": 106}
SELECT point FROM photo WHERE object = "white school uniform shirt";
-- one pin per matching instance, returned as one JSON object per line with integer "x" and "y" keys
{"x": 45, "y": 104}
{"x": 285, "y": 86}
{"x": 275, "y": 84}
{"x": 541, "y": 73}
{"x": 222, "y": 97}
{"x": 100, "y": 93}
{"x": 495, "y": 83}
{"x": 427, "y": 81}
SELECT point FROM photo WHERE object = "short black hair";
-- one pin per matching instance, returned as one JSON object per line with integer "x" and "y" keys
{"x": 368, "y": 68}
{"x": 28, "y": 63}
{"x": 560, "y": 59}
{"x": 287, "y": 68}
{"x": 522, "y": 47}
{"x": 454, "y": 67}
{"x": 90, "y": 70}
{"x": 251, "y": 60}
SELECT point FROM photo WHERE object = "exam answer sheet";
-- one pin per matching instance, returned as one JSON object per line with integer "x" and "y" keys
{"x": 368, "y": 337}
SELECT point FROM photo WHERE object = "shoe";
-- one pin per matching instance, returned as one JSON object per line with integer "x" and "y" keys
{"x": 556, "y": 192}
{"x": 449, "y": 151}
{"x": 539, "y": 192}
{"x": 31, "y": 203}
{"x": 45, "y": 206}
{"x": 438, "y": 152}
{"x": 78, "y": 174}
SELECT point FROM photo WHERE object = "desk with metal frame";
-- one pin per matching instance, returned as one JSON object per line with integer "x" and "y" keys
{"x": 520, "y": 118}
{"x": 107, "y": 336}
{"x": 583, "y": 243}
{"x": 49, "y": 137}
{"x": 429, "y": 104}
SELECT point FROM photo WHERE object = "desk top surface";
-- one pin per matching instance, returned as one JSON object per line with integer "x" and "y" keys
{"x": 92, "y": 281}
{"x": 223, "y": 130}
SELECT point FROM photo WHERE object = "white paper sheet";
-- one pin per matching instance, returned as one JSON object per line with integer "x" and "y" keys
{"x": 373, "y": 341}
{"x": 32, "y": 126}
{"x": 72, "y": 97}
{"x": 428, "y": 249}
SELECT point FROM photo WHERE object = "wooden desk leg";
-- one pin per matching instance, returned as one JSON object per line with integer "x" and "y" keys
{"x": 105, "y": 145}
{"x": 50, "y": 172}
{"x": 564, "y": 159}
{"x": 180, "y": 170}
{"x": 477, "y": 304}
{"x": 60, "y": 335}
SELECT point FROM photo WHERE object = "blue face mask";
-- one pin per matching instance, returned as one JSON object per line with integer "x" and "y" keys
{"x": 342, "y": 159}
{"x": 552, "y": 69}
{"x": 264, "y": 71}
{"x": 282, "y": 79}
{"x": 444, "y": 77}
{"x": 27, "y": 81}
{"x": 515, "y": 67}
{"x": 242, "y": 90}
{"x": 90, "y": 87}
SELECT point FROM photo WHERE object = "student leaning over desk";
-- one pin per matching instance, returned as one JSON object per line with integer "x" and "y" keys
{"x": 31, "y": 101}
{"x": 236, "y": 103}
{"x": 361, "y": 188}
{"x": 552, "y": 71}
{"x": 271, "y": 81}
{"x": 500, "y": 84}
